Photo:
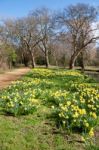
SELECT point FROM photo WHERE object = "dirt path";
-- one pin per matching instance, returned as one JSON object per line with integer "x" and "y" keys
{"x": 8, "y": 77}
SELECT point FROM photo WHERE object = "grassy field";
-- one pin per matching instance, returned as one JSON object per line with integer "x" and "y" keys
{"x": 30, "y": 108}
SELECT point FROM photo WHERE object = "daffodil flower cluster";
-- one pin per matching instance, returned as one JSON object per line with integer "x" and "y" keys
{"x": 74, "y": 100}
{"x": 16, "y": 101}
{"x": 81, "y": 111}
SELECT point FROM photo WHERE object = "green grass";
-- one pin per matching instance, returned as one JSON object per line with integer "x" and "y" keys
{"x": 32, "y": 132}
{"x": 38, "y": 131}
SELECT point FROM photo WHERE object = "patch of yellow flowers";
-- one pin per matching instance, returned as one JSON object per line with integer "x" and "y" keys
{"x": 77, "y": 106}
{"x": 82, "y": 111}
{"x": 17, "y": 101}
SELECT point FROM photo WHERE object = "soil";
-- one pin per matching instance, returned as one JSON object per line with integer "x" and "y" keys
{"x": 7, "y": 77}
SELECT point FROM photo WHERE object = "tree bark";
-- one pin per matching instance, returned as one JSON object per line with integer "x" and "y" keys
{"x": 32, "y": 60}
{"x": 82, "y": 61}
{"x": 46, "y": 59}
{"x": 72, "y": 61}
{"x": 74, "y": 57}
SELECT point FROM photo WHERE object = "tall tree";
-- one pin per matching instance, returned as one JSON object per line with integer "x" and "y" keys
{"x": 77, "y": 20}
{"x": 46, "y": 26}
{"x": 29, "y": 35}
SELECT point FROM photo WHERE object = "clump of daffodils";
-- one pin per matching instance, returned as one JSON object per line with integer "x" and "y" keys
{"x": 80, "y": 112}
{"x": 19, "y": 102}
{"x": 75, "y": 102}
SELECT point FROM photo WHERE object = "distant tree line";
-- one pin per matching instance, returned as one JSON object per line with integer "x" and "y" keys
{"x": 62, "y": 38}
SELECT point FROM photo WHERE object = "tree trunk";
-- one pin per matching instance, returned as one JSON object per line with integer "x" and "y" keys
{"x": 56, "y": 62}
{"x": 72, "y": 62}
{"x": 33, "y": 60}
{"x": 74, "y": 57}
{"x": 46, "y": 59}
{"x": 82, "y": 62}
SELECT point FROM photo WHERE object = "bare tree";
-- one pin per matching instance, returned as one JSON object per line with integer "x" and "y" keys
{"x": 55, "y": 41}
{"x": 46, "y": 31}
{"x": 77, "y": 20}
{"x": 8, "y": 53}
{"x": 29, "y": 35}
{"x": 24, "y": 33}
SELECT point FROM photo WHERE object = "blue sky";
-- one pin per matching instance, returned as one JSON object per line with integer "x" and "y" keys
{"x": 19, "y": 8}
